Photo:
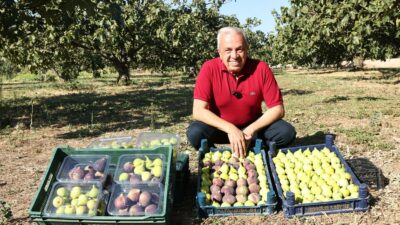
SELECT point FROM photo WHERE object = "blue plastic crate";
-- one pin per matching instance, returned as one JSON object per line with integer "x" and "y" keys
{"x": 291, "y": 209}
{"x": 207, "y": 210}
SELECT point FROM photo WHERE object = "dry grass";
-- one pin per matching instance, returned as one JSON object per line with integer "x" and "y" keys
{"x": 361, "y": 108}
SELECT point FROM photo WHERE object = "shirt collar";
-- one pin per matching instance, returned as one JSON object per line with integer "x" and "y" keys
{"x": 245, "y": 71}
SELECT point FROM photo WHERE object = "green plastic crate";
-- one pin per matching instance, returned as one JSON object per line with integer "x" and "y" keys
{"x": 49, "y": 177}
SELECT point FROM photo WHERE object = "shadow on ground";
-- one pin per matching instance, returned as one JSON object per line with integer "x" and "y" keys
{"x": 390, "y": 75}
{"x": 185, "y": 211}
{"x": 316, "y": 138}
{"x": 295, "y": 92}
{"x": 369, "y": 174}
{"x": 95, "y": 113}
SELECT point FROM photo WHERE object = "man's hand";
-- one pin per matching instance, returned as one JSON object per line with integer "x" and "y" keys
{"x": 238, "y": 141}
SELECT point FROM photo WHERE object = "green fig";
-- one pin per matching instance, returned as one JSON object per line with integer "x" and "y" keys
{"x": 139, "y": 170}
{"x": 82, "y": 199}
{"x": 75, "y": 192}
{"x": 58, "y": 201}
{"x": 92, "y": 212}
{"x": 62, "y": 191}
{"x": 69, "y": 210}
{"x": 157, "y": 162}
{"x": 123, "y": 177}
{"x": 81, "y": 210}
{"x": 149, "y": 163}
{"x": 93, "y": 192}
{"x": 60, "y": 210}
{"x": 156, "y": 171}
{"x": 138, "y": 162}
{"x": 91, "y": 204}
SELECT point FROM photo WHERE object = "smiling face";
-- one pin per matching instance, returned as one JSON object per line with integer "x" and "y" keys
{"x": 233, "y": 51}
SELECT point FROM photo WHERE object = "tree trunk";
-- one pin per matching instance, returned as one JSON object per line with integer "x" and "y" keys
{"x": 358, "y": 62}
{"x": 123, "y": 71}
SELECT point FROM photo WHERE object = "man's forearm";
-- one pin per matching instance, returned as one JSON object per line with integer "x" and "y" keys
{"x": 270, "y": 116}
{"x": 208, "y": 117}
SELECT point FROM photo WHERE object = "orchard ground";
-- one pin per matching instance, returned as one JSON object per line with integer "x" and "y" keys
{"x": 362, "y": 109}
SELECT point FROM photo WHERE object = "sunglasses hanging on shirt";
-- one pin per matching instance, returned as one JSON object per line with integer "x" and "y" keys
{"x": 237, "y": 94}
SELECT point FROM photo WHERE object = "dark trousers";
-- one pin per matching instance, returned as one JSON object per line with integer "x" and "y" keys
{"x": 281, "y": 132}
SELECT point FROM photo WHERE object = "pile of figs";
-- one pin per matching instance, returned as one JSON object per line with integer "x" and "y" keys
{"x": 314, "y": 175}
{"x": 74, "y": 200}
{"x": 155, "y": 142}
{"x": 88, "y": 171}
{"x": 135, "y": 201}
{"x": 229, "y": 181}
{"x": 146, "y": 168}
{"x": 115, "y": 145}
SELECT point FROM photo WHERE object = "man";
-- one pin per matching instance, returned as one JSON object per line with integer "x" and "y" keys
{"x": 228, "y": 95}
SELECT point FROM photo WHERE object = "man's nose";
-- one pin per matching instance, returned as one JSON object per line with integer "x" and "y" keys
{"x": 234, "y": 53}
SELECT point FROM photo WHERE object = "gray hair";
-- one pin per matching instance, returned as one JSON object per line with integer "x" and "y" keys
{"x": 229, "y": 30}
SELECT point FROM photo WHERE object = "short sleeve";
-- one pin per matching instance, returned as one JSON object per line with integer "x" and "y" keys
{"x": 203, "y": 87}
{"x": 271, "y": 92}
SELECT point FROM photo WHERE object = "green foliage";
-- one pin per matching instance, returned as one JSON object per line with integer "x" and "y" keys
{"x": 7, "y": 68}
{"x": 71, "y": 36}
{"x": 327, "y": 32}
{"x": 25, "y": 77}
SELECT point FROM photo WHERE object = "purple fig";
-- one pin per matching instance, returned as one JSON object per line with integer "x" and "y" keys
{"x": 121, "y": 202}
{"x": 215, "y": 189}
{"x": 233, "y": 160}
{"x": 207, "y": 164}
{"x": 133, "y": 178}
{"x": 252, "y": 173}
{"x": 254, "y": 197}
{"x": 218, "y": 181}
{"x": 250, "y": 166}
{"x": 133, "y": 195}
{"x": 155, "y": 198}
{"x": 246, "y": 162}
{"x": 251, "y": 180}
{"x": 241, "y": 198}
{"x": 229, "y": 199}
{"x": 145, "y": 198}
{"x": 218, "y": 162}
{"x": 100, "y": 164}
{"x": 216, "y": 168}
{"x": 236, "y": 165}
{"x": 216, "y": 196}
{"x": 242, "y": 190}
{"x": 89, "y": 176}
{"x": 76, "y": 173}
{"x": 128, "y": 167}
{"x": 135, "y": 210}
{"x": 254, "y": 188}
{"x": 151, "y": 209}
{"x": 241, "y": 182}
{"x": 230, "y": 183}
{"x": 227, "y": 190}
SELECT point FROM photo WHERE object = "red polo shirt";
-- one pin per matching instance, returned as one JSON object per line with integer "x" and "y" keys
{"x": 256, "y": 83}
